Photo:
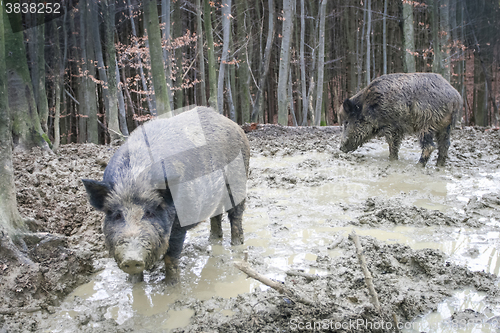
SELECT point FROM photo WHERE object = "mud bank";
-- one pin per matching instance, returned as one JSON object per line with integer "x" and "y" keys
{"x": 430, "y": 236}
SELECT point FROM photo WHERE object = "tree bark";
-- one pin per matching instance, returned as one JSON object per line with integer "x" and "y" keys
{"x": 368, "y": 41}
{"x": 9, "y": 215}
{"x": 109, "y": 27}
{"x": 284, "y": 62}
{"x": 384, "y": 39}
{"x": 201, "y": 58}
{"x": 226, "y": 28}
{"x": 212, "y": 78}
{"x": 165, "y": 14}
{"x": 321, "y": 62}
{"x": 257, "y": 112}
{"x": 156, "y": 54}
{"x": 91, "y": 85}
{"x": 177, "y": 33}
{"x": 244, "y": 67}
{"x": 26, "y": 127}
{"x": 408, "y": 38}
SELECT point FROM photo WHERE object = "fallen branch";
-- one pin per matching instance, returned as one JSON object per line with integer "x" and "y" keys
{"x": 10, "y": 311}
{"x": 368, "y": 276}
{"x": 278, "y": 286}
{"x": 308, "y": 277}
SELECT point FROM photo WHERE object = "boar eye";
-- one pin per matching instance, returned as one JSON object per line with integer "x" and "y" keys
{"x": 115, "y": 216}
{"x": 149, "y": 214}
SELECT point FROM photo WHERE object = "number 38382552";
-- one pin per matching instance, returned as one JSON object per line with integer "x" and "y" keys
{"x": 33, "y": 8}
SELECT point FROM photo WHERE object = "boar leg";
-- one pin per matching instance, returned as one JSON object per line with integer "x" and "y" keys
{"x": 236, "y": 218}
{"x": 427, "y": 144}
{"x": 394, "y": 141}
{"x": 443, "y": 141}
{"x": 216, "y": 227}
{"x": 171, "y": 258}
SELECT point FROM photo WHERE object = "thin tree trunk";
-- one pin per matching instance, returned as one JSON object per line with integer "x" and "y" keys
{"x": 122, "y": 113}
{"x": 226, "y": 28}
{"x": 91, "y": 20}
{"x": 257, "y": 112}
{"x": 302, "y": 57}
{"x": 201, "y": 59}
{"x": 244, "y": 66}
{"x": 177, "y": 33}
{"x": 165, "y": 15}
{"x": 42, "y": 103}
{"x": 139, "y": 61}
{"x": 321, "y": 61}
{"x": 436, "y": 63}
{"x": 368, "y": 41}
{"x": 445, "y": 38}
{"x": 384, "y": 39}
{"x": 58, "y": 80}
{"x": 156, "y": 56}
{"x": 408, "y": 38}
{"x": 284, "y": 62}
{"x": 212, "y": 79}
{"x": 109, "y": 28}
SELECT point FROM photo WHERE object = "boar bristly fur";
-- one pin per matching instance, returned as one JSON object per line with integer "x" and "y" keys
{"x": 397, "y": 104}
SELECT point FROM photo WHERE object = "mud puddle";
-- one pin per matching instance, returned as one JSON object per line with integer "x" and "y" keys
{"x": 298, "y": 206}
{"x": 431, "y": 237}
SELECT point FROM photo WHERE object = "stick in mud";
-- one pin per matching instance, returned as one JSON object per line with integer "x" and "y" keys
{"x": 368, "y": 276}
{"x": 278, "y": 286}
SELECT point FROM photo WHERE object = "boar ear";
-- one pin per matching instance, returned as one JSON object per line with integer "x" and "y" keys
{"x": 97, "y": 192}
{"x": 167, "y": 196}
{"x": 348, "y": 106}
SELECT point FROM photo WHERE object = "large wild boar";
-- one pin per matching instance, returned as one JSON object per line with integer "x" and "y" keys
{"x": 168, "y": 176}
{"x": 396, "y": 104}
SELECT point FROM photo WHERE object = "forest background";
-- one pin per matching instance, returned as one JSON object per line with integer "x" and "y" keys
{"x": 100, "y": 68}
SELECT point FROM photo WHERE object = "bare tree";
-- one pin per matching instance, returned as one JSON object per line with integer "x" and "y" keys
{"x": 321, "y": 62}
{"x": 284, "y": 62}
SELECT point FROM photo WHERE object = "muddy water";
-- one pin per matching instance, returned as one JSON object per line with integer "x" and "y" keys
{"x": 299, "y": 206}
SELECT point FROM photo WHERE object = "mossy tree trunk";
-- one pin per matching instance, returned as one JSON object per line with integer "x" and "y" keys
{"x": 9, "y": 215}
{"x": 27, "y": 131}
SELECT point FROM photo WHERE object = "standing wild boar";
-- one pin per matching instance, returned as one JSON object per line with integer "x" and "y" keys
{"x": 168, "y": 176}
{"x": 395, "y": 104}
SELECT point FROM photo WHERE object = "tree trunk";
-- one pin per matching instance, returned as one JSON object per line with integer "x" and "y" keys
{"x": 436, "y": 63}
{"x": 321, "y": 61}
{"x": 26, "y": 127}
{"x": 91, "y": 86}
{"x": 39, "y": 86}
{"x": 302, "y": 60}
{"x": 368, "y": 41}
{"x": 109, "y": 40}
{"x": 408, "y": 38}
{"x": 177, "y": 33}
{"x": 384, "y": 39}
{"x": 226, "y": 28}
{"x": 244, "y": 66}
{"x": 284, "y": 62}
{"x": 257, "y": 112}
{"x": 139, "y": 61}
{"x": 156, "y": 54}
{"x": 122, "y": 113}
{"x": 58, "y": 81}
{"x": 199, "y": 46}
{"x": 165, "y": 15}
{"x": 212, "y": 78}
{"x": 445, "y": 39}
{"x": 9, "y": 215}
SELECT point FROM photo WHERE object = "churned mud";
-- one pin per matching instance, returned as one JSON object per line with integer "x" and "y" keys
{"x": 431, "y": 238}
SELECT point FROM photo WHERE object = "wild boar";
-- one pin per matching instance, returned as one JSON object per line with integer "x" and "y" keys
{"x": 396, "y": 104}
{"x": 168, "y": 176}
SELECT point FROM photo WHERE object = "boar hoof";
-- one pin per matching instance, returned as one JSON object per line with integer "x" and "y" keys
{"x": 172, "y": 273}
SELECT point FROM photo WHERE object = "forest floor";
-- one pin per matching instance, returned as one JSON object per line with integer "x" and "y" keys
{"x": 431, "y": 238}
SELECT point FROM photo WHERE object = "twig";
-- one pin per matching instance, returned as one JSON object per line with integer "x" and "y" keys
{"x": 368, "y": 276}
{"x": 308, "y": 277}
{"x": 278, "y": 286}
{"x": 14, "y": 310}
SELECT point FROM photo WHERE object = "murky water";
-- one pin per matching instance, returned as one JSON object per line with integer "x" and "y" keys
{"x": 281, "y": 229}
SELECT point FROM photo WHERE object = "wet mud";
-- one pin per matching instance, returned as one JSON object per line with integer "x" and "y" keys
{"x": 430, "y": 237}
